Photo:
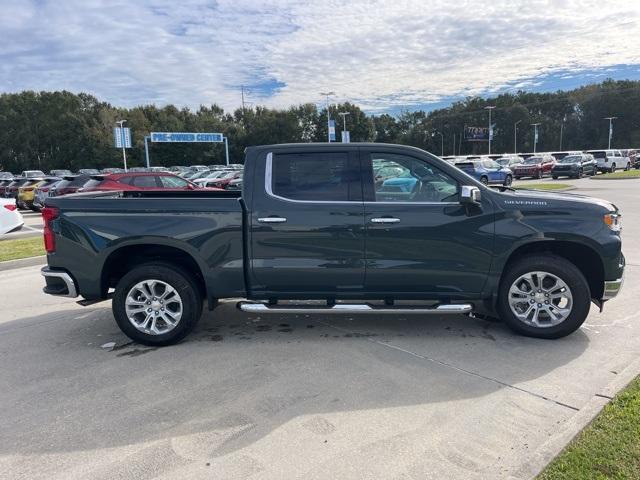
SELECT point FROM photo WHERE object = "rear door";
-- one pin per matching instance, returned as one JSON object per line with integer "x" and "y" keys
{"x": 307, "y": 233}
{"x": 423, "y": 243}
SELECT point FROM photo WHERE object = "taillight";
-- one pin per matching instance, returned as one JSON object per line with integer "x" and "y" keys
{"x": 11, "y": 207}
{"x": 48, "y": 215}
{"x": 44, "y": 189}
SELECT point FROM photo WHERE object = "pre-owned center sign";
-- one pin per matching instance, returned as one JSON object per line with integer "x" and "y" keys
{"x": 187, "y": 137}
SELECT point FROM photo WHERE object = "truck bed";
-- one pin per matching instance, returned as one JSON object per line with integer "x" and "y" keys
{"x": 102, "y": 231}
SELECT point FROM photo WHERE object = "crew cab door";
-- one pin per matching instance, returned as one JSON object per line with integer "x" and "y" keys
{"x": 307, "y": 232}
{"x": 423, "y": 241}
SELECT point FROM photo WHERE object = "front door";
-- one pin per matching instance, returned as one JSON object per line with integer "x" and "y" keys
{"x": 307, "y": 232}
{"x": 420, "y": 240}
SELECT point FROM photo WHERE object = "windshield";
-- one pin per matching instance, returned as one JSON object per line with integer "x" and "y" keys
{"x": 532, "y": 160}
{"x": 571, "y": 159}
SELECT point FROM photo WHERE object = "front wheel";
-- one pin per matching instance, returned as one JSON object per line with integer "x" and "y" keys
{"x": 508, "y": 180}
{"x": 543, "y": 296}
{"x": 539, "y": 174}
{"x": 157, "y": 304}
{"x": 613, "y": 168}
{"x": 555, "y": 177}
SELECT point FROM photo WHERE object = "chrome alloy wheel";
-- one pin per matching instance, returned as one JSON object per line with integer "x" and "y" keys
{"x": 154, "y": 307}
{"x": 540, "y": 299}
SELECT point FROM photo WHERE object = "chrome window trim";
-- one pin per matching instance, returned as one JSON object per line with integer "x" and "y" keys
{"x": 268, "y": 181}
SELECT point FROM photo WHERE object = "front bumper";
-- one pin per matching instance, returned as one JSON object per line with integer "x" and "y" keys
{"x": 59, "y": 283}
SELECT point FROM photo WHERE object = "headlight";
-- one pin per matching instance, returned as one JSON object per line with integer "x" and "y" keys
{"x": 613, "y": 221}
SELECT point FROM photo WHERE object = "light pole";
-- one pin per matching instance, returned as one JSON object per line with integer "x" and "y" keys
{"x": 515, "y": 136}
{"x": 564, "y": 119}
{"x": 328, "y": 94}
{"x": 535, "y": 136}
{"x": 344, "y": 125}
{"x": 490, "y": 107}
{"x": 611, "y": 119}
{"x": 122, "y": 139}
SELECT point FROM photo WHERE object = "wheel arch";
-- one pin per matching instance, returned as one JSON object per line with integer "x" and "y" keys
{"x": 584, "y": 257}
{"x": 122, "y": 259}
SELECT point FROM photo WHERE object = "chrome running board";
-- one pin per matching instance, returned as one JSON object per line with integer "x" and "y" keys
{"x": 441, "y": 309}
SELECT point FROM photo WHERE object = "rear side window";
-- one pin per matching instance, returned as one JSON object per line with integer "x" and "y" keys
{"x": 316, "y": 177}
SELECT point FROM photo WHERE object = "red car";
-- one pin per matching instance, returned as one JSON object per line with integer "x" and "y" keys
{"x": 536, "y": 166}
{"x": 137, "y": 181}
{"x": 223, "y": 183}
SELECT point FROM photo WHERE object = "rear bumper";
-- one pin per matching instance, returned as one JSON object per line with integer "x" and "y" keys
{"x": 612, "y": 288}
{"x": 59, "y": 283}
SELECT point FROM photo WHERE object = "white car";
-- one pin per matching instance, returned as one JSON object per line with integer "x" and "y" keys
{"x": 10, "y": 217}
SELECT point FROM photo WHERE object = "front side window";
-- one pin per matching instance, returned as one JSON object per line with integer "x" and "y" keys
{"x": 401, "y": 178}
{"x": 315, "y": 177}
{"x": 173, "y": 182}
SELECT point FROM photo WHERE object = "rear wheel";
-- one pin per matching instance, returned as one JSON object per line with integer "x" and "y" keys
{"x": 484, "y": 180}
{"x": 543, "y": 296}
{"x": 508, "y": 180}
{"x": 157, "y": 304}
{"x": 555, "y": 177}
{"x": 613, "y": 168}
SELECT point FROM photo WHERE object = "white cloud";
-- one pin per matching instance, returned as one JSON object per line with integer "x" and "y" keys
{"x": 380, "y": 54}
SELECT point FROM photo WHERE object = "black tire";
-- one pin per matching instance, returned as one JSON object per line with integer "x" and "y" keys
{"x": 613, "y": 168}
{"x": 177, "y": 278}
{"x": 484, "y": 180}
{"x": 517, "y": 178}
{"x": 580, "y": 173}
{"x": 508, "y": 181}
{"x": 564, "y": 270}
{"x": 539, "y": 175}
{"x": 555, "y": 177}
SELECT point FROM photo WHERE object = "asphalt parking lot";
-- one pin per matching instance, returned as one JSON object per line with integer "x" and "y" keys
{"x": 298, "y": 396}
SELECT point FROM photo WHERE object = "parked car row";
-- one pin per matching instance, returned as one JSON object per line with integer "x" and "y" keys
{"x": 504, "y": 168}
{"x": 31, "y": 192}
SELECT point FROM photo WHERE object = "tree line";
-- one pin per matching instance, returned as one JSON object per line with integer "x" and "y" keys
{"x": 47, "y": 130}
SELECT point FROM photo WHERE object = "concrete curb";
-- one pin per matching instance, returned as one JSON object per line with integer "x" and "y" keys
{"x": 556, "y": 444}
{"x": 614, "y": 178}
{"x": 572, "y": 187}
{"x": 23, "y": 262}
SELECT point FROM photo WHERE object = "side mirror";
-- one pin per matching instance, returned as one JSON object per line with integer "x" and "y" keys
{"x": 470, "y": 195}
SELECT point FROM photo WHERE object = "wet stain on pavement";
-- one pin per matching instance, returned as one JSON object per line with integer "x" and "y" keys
{"x": 136, "y": 352}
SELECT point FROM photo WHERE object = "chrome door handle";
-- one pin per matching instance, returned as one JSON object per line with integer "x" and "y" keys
{"x": 272, "y": 219}
{"x": 385, "y": 220}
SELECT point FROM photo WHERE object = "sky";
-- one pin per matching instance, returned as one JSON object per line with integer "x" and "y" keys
{"x": 384, "y": 56}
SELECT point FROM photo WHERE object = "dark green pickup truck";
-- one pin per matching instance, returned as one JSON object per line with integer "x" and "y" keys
{"x": 360, "y": 228}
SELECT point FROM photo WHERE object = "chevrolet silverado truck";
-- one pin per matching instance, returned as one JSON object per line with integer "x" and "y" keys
{"x": 312, "y": 231}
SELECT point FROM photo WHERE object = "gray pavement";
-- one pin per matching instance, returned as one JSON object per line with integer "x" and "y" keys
{"x": 299, "y": 396}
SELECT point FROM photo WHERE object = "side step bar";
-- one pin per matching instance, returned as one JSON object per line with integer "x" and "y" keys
{"x": 441, "y": 309}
